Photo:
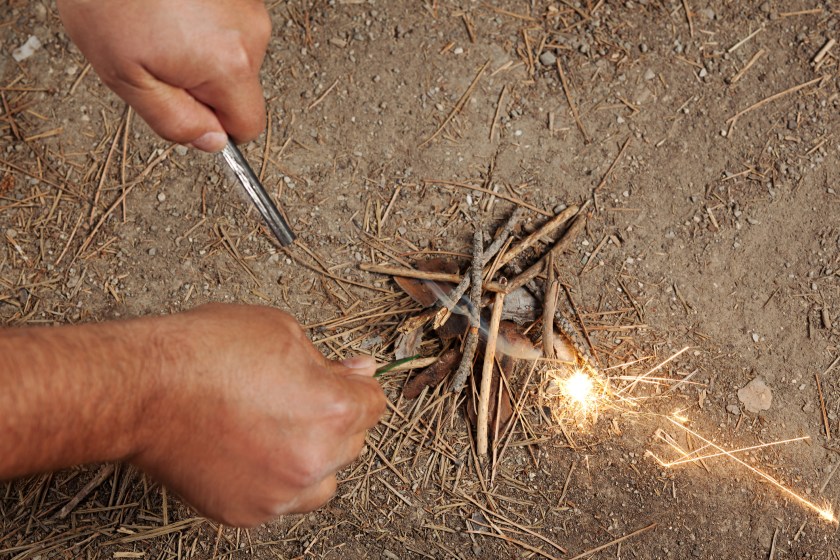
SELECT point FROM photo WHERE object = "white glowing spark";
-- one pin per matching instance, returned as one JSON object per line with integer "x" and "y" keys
{"x": 579, "y": 388}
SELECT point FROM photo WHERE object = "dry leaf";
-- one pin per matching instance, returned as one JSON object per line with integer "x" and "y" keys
{"x": 513, "y": 344}
{"x": 432, "y": 375}
{"x": 563, "y": 349}
{"x": 407, "y": 344}
{"x": 453, "y": 328}
{"x": 419, "y": 290}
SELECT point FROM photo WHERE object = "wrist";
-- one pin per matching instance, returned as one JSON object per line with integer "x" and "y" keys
{"x": 163, "y": 358}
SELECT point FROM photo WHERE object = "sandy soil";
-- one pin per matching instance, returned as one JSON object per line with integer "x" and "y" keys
{"x": 701, "y": 231}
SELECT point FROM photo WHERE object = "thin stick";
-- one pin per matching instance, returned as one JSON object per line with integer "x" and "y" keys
{"x": 124, "y": 158}
{"x": 812, "y": 11}
{"x": 740, "y": 43}
{"x": 105, "y": 167}
{"x": 479, "y": 188}
{"x": 455, "y": 295}
{"x": 613, "y": 542}
{"x": 507, "y": 539}
{"x": 773, "y": 97}
{"x": 545, "y": 230}
{"x": 103, "y": 473}
{"x": 823, "y": 51}
{"x": 458, "y": 106}
{"x": 549, "y": 308}
{"x": 139, "y": 179}
{"x": 571, "y": 102}
{"x": 410, "y": 272}
{"x": 749, "y": 65}
{"x": 78, "y": 80}
{"x": 831, "y": 367}
{"x": 498, "y": 111}
{"x": 772, "y": 554}
{"x": 487, "y": 375}
{"x": 322, "y": 96}
{"x": 471, "y": 344}
{"x": 534, "y": 270}
{"x": 612, "y": 166}
{"x": 829, "y": 477}
{"x": 822, "y": 407}
{"x": 688, "y": 18}
{"x": 566, "y": 484}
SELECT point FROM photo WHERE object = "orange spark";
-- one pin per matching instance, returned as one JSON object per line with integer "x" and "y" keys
{"x": 825, "y": 513}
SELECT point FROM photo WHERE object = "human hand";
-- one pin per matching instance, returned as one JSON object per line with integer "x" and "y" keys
{"x": 252, "y": 421}
{"x": 190, "y": 68}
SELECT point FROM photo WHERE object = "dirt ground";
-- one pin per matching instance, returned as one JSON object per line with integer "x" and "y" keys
{"x": 702, "y": 231}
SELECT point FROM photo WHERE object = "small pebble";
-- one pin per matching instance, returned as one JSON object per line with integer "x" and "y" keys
{"x": 161, "y": 197}
{"x": 547, "y": 58}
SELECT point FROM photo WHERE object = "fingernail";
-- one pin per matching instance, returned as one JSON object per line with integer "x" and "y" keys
{"x": 359, "y": 362}
{"x": 210, "y": 142}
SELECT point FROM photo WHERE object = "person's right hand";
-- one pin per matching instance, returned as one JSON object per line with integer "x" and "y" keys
{"x": 251, "y": 421}
{"x": 190, "y": 68}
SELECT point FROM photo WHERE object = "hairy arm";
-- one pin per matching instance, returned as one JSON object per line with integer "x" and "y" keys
{"x": 230, "y": 406}
{"x": 72, "y": 395}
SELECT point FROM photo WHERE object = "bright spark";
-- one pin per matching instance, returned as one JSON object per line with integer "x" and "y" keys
{"x": 579, "y": 389}
{"x": 825, "y": 512}
{"x": 693, "y": 459}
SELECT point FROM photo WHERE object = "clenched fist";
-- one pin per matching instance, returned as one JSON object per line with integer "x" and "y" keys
{"x": 190, "y": 68}
{"x": 230, "y": 406}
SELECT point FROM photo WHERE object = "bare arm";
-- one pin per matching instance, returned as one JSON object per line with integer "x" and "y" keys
{"x": 229, "y": 405}
{"x": 56, "y": 386}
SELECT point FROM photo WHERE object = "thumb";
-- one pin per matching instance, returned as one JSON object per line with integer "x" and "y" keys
{"x": 360, "y": 365}
{"x": 173, "y": 113}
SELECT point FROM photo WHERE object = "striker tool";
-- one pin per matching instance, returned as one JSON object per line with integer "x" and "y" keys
{"x": 257, "y": 193}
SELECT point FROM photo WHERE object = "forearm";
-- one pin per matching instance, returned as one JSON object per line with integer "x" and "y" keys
{"x": 72, "y": 395}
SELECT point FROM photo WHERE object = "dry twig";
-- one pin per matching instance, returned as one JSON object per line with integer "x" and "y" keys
{"x": 471, "y": 344}
{"x": 458, "y": 106}
{"x": 487, "y": 375}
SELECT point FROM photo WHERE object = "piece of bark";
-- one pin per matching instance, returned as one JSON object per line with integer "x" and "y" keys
{"x": 432, "y": 375}
{"x": 453, "y": 328}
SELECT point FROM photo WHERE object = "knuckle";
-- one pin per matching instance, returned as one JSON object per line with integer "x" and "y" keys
{"x": 237, "y": 60}
{"x": 310, "y": 470}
